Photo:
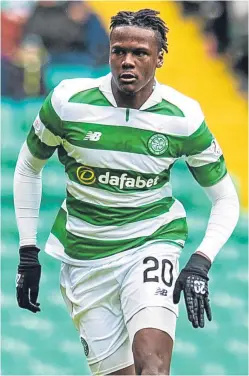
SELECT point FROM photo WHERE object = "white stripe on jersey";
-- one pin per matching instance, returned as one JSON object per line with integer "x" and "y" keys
{"x": 210, "y": 155}
{"x": 118, "y": 160}
{"x": 104, "y": 115}
{"x": 44, "y": 134}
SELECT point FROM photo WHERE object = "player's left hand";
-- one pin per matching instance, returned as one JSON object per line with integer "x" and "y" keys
{"x": 193, "y": 281}
{"x": 28, "y": 278}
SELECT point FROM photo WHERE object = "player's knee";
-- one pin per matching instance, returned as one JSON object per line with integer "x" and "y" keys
{"x": 150, "y": 364}
{"x": 152, "y": 350}
{"x": 149, "y": 361}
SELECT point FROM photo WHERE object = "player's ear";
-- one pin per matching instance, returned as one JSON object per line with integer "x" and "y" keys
{"x": 160, "y": 59}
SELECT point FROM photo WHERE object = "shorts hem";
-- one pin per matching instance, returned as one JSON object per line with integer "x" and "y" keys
{"x": 145, "y": 319}
{"x": 113, "y": 369}
{"x": 149, "y": 305}
{"x": 102, "y": 357}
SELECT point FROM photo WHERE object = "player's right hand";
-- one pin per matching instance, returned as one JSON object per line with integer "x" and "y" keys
{"x": 193, "y": 281}
{"x": 28, "y": 278}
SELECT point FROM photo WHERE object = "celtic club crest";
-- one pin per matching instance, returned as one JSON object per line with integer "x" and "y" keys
{"x": 85, "y": 345}
{"x": 158, "y": 144}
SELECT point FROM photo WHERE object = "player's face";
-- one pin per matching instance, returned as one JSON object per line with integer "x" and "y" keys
{"x": 134, "y": 57}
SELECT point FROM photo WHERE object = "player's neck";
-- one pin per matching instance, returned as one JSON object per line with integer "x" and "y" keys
{"x": 132, "y": 101}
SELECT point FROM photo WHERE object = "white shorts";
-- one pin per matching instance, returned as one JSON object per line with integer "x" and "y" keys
{"x": 111, "y": 301}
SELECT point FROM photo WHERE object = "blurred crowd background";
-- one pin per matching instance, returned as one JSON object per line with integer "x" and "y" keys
{"x": 37, "y": 36}
{"x": 225, "y": 26}
{"x": 44, "y": 42}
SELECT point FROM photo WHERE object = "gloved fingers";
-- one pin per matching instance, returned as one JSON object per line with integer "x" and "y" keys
{"x": 207, "y": 308}
{"x": 195, "y": 321}
{"x": 34, "y": 290}
{"x": 22, "y": 297}
{"x": 21, "y": 290}
{"x": 201, "y": 311}
{"x": 33, "y": 307}
{"x": 29, "y": 305}
{"x": 19, "y": 297}
{"x": 22, "y": 294}
{"x": 189, "y": 303}
{"x": 36, "y": 305}
{"x": 177, "y": 292}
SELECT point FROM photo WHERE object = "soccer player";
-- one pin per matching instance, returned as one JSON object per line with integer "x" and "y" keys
{"x": 120, "y": 231}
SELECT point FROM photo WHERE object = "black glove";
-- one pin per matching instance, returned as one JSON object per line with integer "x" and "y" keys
{"x": 28, "y": 278}
{"x": 193, "y": 280}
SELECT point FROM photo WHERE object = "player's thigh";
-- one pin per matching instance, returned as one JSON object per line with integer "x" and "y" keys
{"x": 92, "y": 297}
{"x": 125, "y": 371}
{"x": 147, "y": 303}
{"x": 152, "y": 333}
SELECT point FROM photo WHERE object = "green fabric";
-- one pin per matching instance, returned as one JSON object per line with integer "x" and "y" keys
{"x": 165, "y": 108}
{"x": 37, "y": 148}
{"x": 111, "y": 216}
{"x": 198, "y": 141}
{"x": 82, "y": 248}
{"x": 91, "y": 96}
{"x": 209, "y": 174}
{"x": 134, "y": 140}
{"x": 50, "y": 118}
{"x": 118, "y": 138}
{"x": 111, "y": 179}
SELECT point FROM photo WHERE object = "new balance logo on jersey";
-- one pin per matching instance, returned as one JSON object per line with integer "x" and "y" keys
{"x": 93, "y": 136}
{"x": 162, "y": 292}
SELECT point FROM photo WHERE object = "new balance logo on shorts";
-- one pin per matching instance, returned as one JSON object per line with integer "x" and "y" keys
{"x": 93, "y": 136}
{"x": 162, "y": 292}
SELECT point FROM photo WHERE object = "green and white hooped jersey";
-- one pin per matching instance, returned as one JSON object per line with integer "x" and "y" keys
{"x": 118, "y": 162}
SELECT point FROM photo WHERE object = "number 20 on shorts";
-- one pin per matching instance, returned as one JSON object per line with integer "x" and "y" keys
{"x": 165, "y": 268}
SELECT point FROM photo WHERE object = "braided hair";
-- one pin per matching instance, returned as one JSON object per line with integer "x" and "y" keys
{"x": 144, "y": 18}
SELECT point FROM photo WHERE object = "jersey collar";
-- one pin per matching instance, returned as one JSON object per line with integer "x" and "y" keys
{"x": 154, "y": 98}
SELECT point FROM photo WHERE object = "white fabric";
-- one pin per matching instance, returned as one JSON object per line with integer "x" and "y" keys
{"x": 27, "y": 195}
{"x": 187, "y": 125}
{"x": 120, "y": 359}
{"x": 107, "y": 115}
{"x": 145, "y": 318}
{"x": 103, "y": 300}
{"x": 111, "y": 159}
{"x": 190, "y": 107}
{"x": 44, "y": 134}
{"x": 67, "y": 88}
{"x": 153, "y": 317}
{"x": 209, "y": 155}
{"x": 223, "y": 218}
